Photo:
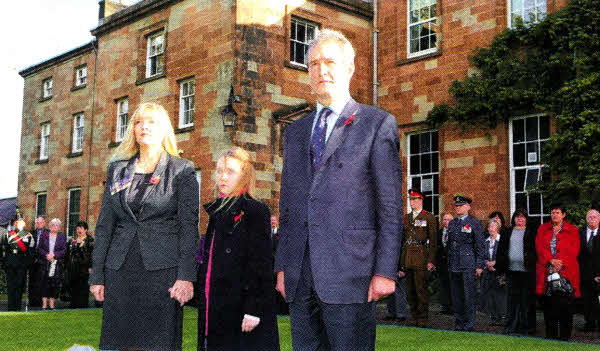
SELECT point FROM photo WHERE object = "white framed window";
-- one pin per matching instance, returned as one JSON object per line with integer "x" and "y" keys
{"x": 527, "y": 136}
{"x": 122, "y": 118}
{"x": 81, "y": 76}
{"x": 74, "y": 208}
{"x": 186, "y": 103}
{"x": 422, "y": 27}
{"x": 423, "y": 168}
{"x": 40, "y": 204}
{"x": 78, "y": 123}
{"x": 47, "y": 88}
{"x": 155, "y": 58}
{"x": 526, "y": 11}
{"x": 44, "y": 141}
{"x": 301, "y": 34}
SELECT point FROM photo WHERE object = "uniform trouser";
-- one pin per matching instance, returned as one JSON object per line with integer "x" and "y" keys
{"x": 590, "y": 302}
{"x": 462, "y": 288}
{"x": 15, "y": 278}
{"x": 396, "y": 302}
{"x": 558, "y": 317}
{"x": 444, "y": 294}
{"x": 416, "y": 294}
{"x": 319, "y": 326}
{"x": 521, "y": 302}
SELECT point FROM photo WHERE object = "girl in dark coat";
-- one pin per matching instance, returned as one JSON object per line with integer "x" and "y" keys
{"x": 80, "y": 266}
{"x": 235, "y": 288}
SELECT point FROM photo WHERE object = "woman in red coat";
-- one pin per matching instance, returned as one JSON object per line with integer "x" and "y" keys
{"x": 557, "y": 245}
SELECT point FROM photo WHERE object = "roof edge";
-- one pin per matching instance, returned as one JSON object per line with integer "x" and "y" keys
{"x": 26, "y": 72}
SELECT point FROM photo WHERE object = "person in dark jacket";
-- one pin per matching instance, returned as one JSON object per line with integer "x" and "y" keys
{"x": 442, "y": 265}
{"x": 34, "y": 291}
{"x": 588, "y": 285}
{"x": 80, "y": 265}
{"x": 235, "y": 282}
{"x": 516, "y": 258}
{"x": 52, "y": 250}
{"x": 493, "y": 286}
{"x": 15, "y": 253}
{"x": 596, "y": 273}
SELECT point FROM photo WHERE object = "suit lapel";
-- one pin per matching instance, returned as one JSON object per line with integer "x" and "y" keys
{"x": 341, "y": 130}
{"x": 157, "y": 174}
{"x": 127, "y": 173}
{"x": 305, "y": 140}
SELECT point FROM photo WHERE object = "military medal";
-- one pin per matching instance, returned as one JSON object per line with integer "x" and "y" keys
{"x": 122, "y": 184}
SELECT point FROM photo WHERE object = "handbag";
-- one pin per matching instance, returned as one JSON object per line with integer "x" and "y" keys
{"x": 557, "y": 285}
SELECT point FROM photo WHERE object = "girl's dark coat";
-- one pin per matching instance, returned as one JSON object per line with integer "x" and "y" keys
{"x": 241, "y": 279}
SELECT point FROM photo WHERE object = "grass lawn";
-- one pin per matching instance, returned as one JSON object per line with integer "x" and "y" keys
{"x": 59, "y": 330}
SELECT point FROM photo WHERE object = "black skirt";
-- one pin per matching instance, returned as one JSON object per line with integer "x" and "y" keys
{"x": 138, "y": 311}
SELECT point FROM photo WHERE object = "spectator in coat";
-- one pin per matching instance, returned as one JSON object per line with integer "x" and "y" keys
{"x": 557, "y": 246}
{"x": 588, "y": 285}
{"x": 52, "y": 250}
{"x": 493, "y": 283}
{"x": 442, "y": 265}
{"x": 80, "y": 265}
{"x": 34, "y": 291}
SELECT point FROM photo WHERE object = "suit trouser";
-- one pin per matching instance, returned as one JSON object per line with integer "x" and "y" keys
{"x": 34, "y": 291}
{"x": 320, "y": 326}
{"x": 15, "y": 278}
{"x": 558, "y": 317}
{"x": 462, "y": 288}
{"x": 416, "y": 294}
{"x": 444, "y": 294}
{"x": 590, "y": 302}
{"x": 521, "y": 302}
{"x": 396, "y": 302}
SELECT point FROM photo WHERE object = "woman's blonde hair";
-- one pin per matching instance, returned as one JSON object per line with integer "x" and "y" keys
{"x": 247, "y": 183}
{"x": 129, "y": 146}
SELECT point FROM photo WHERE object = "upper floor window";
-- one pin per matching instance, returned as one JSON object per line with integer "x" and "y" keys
{"x": 47, "y": 88}
{"x": 302, "y": 32}
{"x": 186, "y": 103}
{"x": 122, "y": 118}
{"x": 78, "y": 122}
{"x": 155, "y": 58}
{"x": 422, "y": 27}
{"x": 81, "y": 76}
{"x": 45, "y": 141}
{"x": 74, "y": 209}
{"x": 527, "y": 11}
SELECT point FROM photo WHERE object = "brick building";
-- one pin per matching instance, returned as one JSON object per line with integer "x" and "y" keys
{"x": 233, "y": 72}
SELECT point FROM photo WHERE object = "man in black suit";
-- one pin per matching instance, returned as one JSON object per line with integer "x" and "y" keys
{"x": 35, "y": 300}
{"x": 588, "y": 285}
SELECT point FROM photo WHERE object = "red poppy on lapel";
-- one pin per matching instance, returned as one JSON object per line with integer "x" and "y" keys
{"x": 155, "y": 180}
{"x": 349, "y": 120}
{"x": 238, "y": 217}
{"x": 423, "y": 212}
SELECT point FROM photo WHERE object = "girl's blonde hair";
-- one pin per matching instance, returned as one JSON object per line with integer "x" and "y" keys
{"x": 247, "y": 183}
{"x": 129, "y": 146}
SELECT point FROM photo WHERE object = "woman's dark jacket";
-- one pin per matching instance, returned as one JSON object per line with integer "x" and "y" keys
{"x": 241, "y": 279}
{"x": 529, "y": 253}
{"x": 80, "y": 257}
{"x": 60, "y": 249}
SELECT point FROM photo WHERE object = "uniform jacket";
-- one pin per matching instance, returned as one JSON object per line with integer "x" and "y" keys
{"x": 241, "y": 279}
{"x": 167, "y": 227}
{"x": 23, "y": 257}
{"x": 465, "y": 249}
{"x": 349, "y": 211}
{"x": 585, "y": 257}
{"x": 567, "y": 249}
{"x": 529, "y": 255}
{"x": 423, "y": 230}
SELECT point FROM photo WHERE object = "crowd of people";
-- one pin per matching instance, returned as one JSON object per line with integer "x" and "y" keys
{"x": 336, "y": 253}
{"x": 46, "y": 264}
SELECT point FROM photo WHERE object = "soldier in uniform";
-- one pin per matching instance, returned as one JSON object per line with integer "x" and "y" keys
{"x": 15, "y": 250}
{"x": 419, "y": 245}
{"x": 465, "y": 261}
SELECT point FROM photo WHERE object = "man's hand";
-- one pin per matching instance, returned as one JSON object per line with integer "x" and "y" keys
{"x": 478, "y": 272}
{"x": 430, "y": 266}
{"x": 401, "y": 274}
{"x": 380, "y": 287}
{"x": 597, "y": 279}
{"x": 182, "y": 291}
{"x": 98, "y": 291}
{"x": 280, "y": 286}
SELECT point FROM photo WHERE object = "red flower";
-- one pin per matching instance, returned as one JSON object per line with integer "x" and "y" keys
{"x": 155, "y": 180}
{"x": 349, "y": 120}
{"x": 467, "y": 226}
{"x": 423, "y": 212}
{"x": 238, "y": 217}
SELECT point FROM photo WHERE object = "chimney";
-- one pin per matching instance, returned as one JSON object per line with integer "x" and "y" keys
{"x": 108, "y": 7}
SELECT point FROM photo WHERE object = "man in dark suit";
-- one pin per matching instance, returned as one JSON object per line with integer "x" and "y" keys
{"x": 465, "y": 261}
{"x": 35, "y": 299}
{"x": 341, "y": 209}
{"x": 442, "y": 265}
{"x": 588, "y": 285}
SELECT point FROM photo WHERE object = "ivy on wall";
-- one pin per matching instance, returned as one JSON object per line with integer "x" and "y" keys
{"x": 552, "y": 67}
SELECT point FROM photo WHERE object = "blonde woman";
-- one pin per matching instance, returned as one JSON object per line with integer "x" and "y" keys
{"x": 143, "y": 259}
{"x": 236, "y": 299}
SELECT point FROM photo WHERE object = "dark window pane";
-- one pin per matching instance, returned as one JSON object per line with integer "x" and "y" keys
{"x": 533, "y": 155}
{"x": 435, "y": 165}
{"x": 519, "y": 155}
{"x": 520, "y": 180}
{"x": 531, "y": 128}
{"x": 292, "y": 51}
{"x": 536, "y": 221}
{"x": 41, "y": 205}
{"x": 299, "y": 53}
{"x": 415, "y": 165}
{"x": 414, "y": 45}
{"x": 436, "y": 205}
{"x": 416, "y": 182}
{"x": 427, "y": 185}
{"x": 436, "y": 184}
{"x": 544, "y": 127}
{"x": 432, "y": 10}
{"x": 413, "y": 141}
{"x": 531, "y": 177}
{"x": 310, "y": 33}
{"x": 434, "y": 141}
{"x": 426, "y": 163}
{"x": 425, "y": 142}
{"x": 293, "y": 31}
{"x": 535, "y": 204}
{"x": 301, "y": 33}
{"x": 546, "y": 176}
{"x": 427, "y": 204}
{"x": 521, "y": 200}
{"x": 518, "y": 130}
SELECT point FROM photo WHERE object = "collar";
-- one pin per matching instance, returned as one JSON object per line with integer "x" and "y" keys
{"x": 336, "y": 107}
{"x": 463, "y": 217}
{"x": 489, "y": 238}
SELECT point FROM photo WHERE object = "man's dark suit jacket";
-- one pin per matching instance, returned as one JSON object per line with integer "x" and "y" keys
{"x": 585, "y": 259}
{"x": 167, "y": 225}
{"x": 349, "y": 212}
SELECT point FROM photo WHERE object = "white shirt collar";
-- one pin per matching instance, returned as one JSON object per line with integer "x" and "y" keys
{"x": 489, "y": 238}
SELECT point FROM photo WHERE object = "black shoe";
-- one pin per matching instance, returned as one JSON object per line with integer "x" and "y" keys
{"x": 400, "y": 319}
{"x": 589, "y": 327}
